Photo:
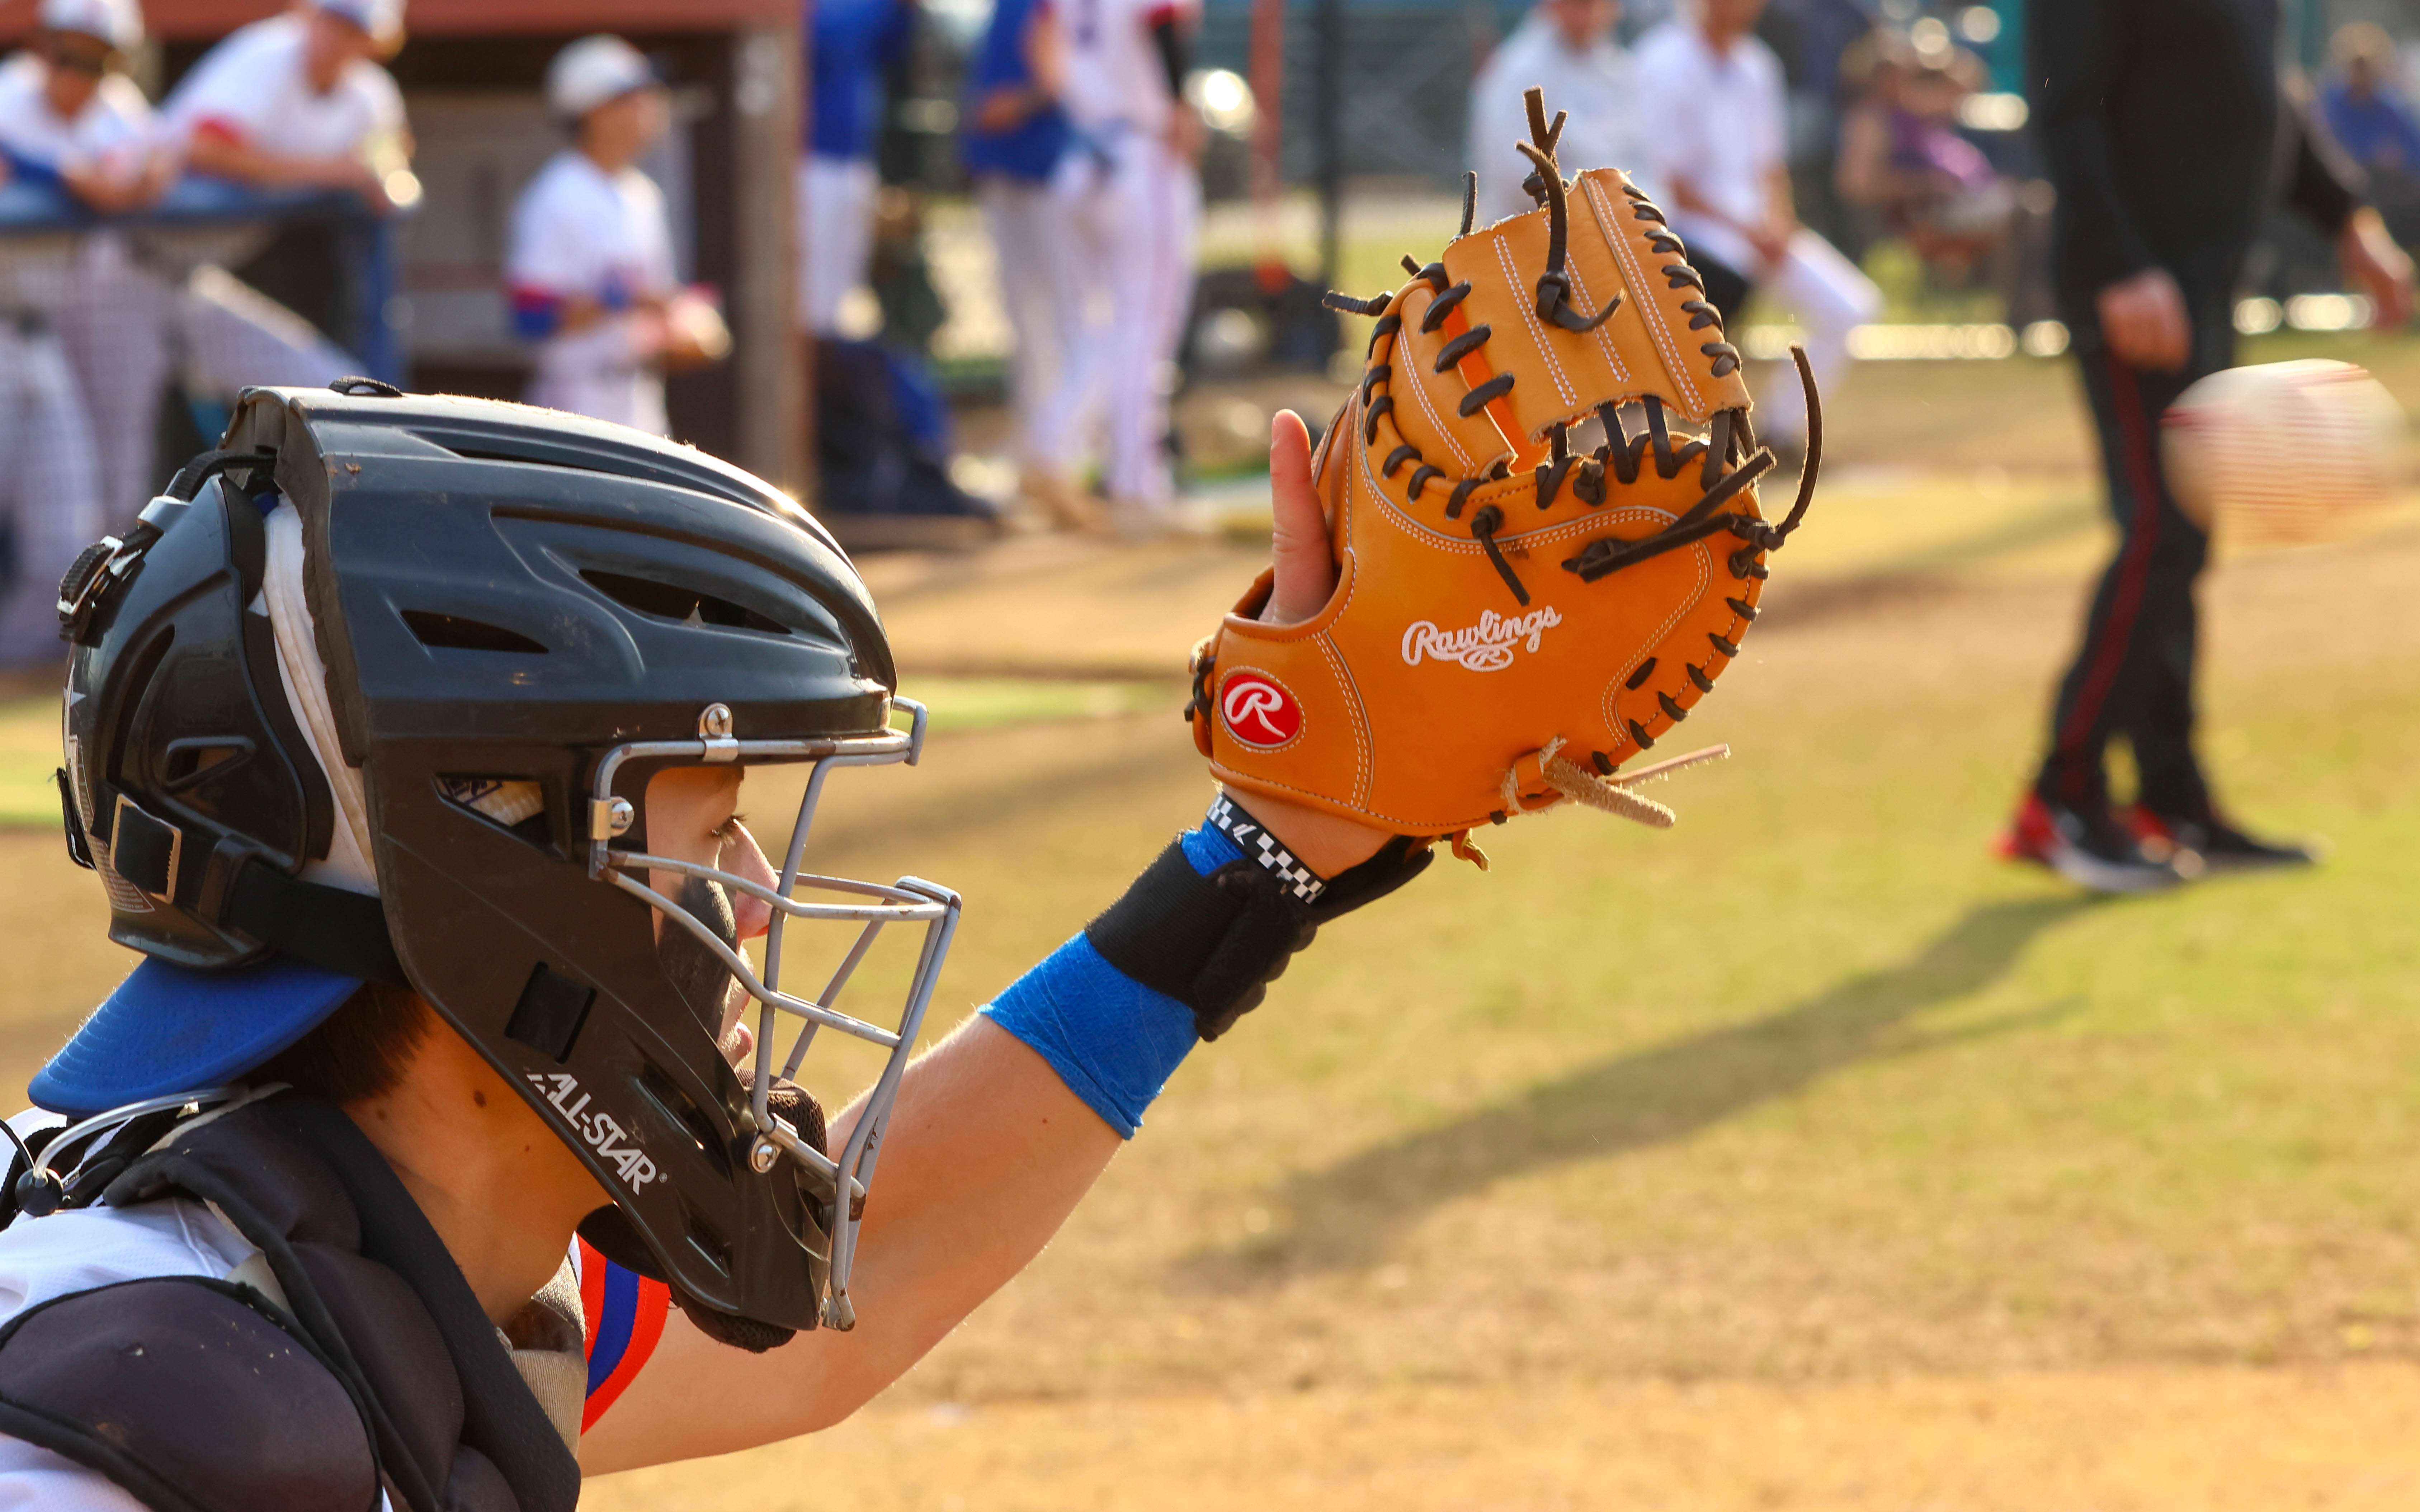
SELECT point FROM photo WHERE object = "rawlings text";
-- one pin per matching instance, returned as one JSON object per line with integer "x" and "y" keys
{"x": 1484, "y": 647}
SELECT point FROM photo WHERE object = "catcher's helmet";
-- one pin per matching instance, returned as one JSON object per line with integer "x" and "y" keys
{"x": 496, "y": 625}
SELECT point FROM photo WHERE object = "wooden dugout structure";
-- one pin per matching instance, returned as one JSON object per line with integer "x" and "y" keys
{"x": 471, "y": 74}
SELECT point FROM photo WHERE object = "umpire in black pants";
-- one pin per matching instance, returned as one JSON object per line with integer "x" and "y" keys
{"x": 2161, "y": 124}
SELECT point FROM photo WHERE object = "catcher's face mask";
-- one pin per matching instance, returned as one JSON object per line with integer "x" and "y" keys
{"x": 713, "y": 891}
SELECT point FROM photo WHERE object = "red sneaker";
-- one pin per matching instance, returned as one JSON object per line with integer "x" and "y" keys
{"x": 2094, "y": 851}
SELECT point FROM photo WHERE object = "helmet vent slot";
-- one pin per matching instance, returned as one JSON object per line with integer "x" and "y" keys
{"x": 709, "y": 1244}
{"x": 188, "y": 761}
{"x": 671, "y": 601}
{"x": 451, "y": 632}
{"x": 677, "y": 1107}
{"x": 552, "y": 1010}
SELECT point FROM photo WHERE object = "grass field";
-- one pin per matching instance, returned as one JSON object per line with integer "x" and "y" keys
{"x": 1803, "y": 1157}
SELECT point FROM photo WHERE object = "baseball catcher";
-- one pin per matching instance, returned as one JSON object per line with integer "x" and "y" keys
{"x": 446, "y": 1145}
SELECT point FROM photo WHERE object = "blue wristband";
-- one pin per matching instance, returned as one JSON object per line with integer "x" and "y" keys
{"x": 1111, "y": 1040}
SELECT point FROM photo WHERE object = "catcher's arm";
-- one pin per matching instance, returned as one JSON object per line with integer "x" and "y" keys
{"x": 988, "y": 1152}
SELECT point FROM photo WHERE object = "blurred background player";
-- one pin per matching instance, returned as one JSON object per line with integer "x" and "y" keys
{"x": 69, "y": 115}
{"x": 297, "y": 102}
{"x": 1566, "y": 47}
{"x": 2159, "y": 198}
{"x": 1902, "y": 157}
{"x": 1016, "y": 134}
{"x": 1718, "y": 161}
{"x": 852, "y": 44}
{"x": 69, "y": 119}
{"x": 591, "y": 264}
{"x": 1137, "y": 201}
{"x": 2368, "y": 114}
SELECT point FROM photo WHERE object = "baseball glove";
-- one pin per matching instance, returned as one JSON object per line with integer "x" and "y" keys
{"x": 1513, "y": 620}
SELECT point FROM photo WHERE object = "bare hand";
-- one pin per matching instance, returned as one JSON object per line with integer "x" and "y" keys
{"x": 2143, "y": 319}
{"x": 1007, "y": 108}
{"x": 694, "y": 335}
{"x": 2372, "y": 261}
{"x": 1186, "y": 135}
{"x": 1306, "y": 578}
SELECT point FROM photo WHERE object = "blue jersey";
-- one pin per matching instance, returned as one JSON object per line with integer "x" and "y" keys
{"x": 2377, "y": 132}
{"x": 1032, "y": 149}
{"x": 852, "y": 42}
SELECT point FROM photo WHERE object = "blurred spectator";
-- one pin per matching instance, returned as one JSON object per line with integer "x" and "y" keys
{"x": 1902, "y": 156}
{"x": 2160, "y": 124}
{"x": 1717, "y": 158}
{"x": 1017, "y": 133}
{"x": 1565, "y": 47}
{"x": 2366, "y": 113}
{"x": 591, "y": 263}
{"x": 1903, "y": 159}
{"x": 71, "y": 116}
{"x": 851, "y": 43}
{"x": 299, "y": 101}
{"x": 71, "y": 119}
{"x": 1813, "y": 38}
{"x": 1136, "y": 201}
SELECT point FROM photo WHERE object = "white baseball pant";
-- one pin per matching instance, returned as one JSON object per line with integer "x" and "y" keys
{"x": 1829, "y": 296}
{"x": 1041, "y": 294}
{"x": 48, "y": 493}
{"x": 1134, "y": 207}
{"x": 836, "y": 200}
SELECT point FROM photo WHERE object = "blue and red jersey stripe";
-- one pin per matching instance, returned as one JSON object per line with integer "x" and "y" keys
{"x": 626, "y": 1315}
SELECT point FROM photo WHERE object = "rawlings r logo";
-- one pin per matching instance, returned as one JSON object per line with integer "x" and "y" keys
{"x": 1484, "y": 647}
{"x": 1258, "y": 712}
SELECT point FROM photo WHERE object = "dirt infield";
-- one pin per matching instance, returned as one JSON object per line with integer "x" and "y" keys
{"x": 2216, "y": 1439}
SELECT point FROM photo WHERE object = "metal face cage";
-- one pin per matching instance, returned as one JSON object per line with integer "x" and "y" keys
{"x": 872, "y": 906}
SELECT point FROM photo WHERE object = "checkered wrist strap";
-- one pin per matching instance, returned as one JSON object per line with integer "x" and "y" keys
{"x": 1252, "y": 838}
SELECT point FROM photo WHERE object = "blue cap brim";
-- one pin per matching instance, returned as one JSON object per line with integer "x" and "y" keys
{"x": 170, "y": 1028}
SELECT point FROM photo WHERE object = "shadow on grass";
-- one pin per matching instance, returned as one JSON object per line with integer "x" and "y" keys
{"x": 1352, "y": 1215}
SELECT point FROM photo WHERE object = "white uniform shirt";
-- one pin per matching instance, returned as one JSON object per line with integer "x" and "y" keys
{"x": 1721, "y": 123}
{"x": 1116, "y": 80}
{"x": 252, "y": 86}
{"x": 1594, "y": 89}
{"x": 580, "y": 232}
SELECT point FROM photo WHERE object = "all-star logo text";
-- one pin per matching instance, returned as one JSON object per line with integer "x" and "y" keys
{"x": 603, "y": 1132}
{"x": 1484, "y": 647}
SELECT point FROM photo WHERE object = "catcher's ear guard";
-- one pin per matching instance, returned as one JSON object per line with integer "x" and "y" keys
{"x": 1215, "y": 943}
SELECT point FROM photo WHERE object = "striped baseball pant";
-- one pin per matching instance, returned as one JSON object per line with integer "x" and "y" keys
{"x": 2133, "y": 675}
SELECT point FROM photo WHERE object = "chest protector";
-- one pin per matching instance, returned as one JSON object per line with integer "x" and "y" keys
{"x": 376, "y": 1371}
